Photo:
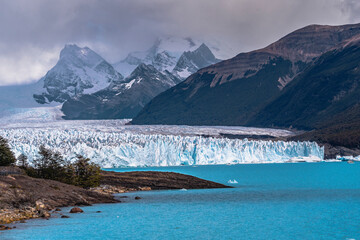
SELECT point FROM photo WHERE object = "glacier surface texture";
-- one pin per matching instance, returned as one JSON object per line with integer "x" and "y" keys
{"x": 113, "y": 144}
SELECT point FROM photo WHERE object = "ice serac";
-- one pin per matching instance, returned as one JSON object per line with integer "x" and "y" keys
{"x": 116, "y": 149}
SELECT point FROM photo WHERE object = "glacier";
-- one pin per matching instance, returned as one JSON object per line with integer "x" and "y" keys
{"x": 113, "y": 144}
{"x": 35, "y": 114}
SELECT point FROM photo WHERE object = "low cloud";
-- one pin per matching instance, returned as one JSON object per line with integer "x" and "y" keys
{"x": 33, "y": 32}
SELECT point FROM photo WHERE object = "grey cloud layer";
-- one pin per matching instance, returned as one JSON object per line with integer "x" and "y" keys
{"x": 33, "y": 32}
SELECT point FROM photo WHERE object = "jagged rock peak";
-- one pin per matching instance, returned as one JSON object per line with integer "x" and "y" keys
{"x": 205, "y": 52}
{"x": 74, "y": 53}
{"x": 144, "y": 67}
{"x": 192, "y": 61}
{"x": 203, "y": 47}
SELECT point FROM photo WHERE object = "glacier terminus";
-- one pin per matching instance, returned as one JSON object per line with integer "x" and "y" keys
{"x": 111, "y": 143}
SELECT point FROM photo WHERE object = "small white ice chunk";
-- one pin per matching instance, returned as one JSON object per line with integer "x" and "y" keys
{"x": 232, "y": 181}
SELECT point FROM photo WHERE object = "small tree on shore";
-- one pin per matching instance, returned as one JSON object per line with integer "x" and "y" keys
{"x": 87, "y": 174}
{"x": 7, "y": 157}
{"x": 22, "y": 161}
{"x": 49, "y": 165}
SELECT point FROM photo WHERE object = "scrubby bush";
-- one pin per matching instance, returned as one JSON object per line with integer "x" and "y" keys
{"x": 7, "y": 157}
{"x": 87, "y": 174}
{"x": 51, "y": 165}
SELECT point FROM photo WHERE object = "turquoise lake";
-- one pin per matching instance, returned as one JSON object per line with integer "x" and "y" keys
{"x": 270, "y": 201}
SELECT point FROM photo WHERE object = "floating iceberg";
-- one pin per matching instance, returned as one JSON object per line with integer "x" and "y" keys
{"x": 348, "y": 158}
{"x": 232, "y": 181}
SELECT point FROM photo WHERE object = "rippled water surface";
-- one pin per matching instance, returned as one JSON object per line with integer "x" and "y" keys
{"x": 270, "y": 201}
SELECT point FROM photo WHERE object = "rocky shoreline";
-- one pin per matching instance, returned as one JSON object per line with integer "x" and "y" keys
{"x": 23, "y": 197}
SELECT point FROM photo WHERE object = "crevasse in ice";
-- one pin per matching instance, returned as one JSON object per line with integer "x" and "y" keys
{"x": 115, "y": 149}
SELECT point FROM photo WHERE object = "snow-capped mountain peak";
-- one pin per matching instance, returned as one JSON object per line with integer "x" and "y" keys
{"x": 73, "y": 54}
{"x": 78, "y": 71}
{"x": 124, "y": 99}
{"x": 164, "y": 54}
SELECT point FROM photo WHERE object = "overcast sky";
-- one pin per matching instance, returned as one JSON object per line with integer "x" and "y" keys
{"x": 32, "y": 33}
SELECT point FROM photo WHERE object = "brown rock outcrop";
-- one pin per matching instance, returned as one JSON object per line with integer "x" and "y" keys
{"x": 76, "y": 210}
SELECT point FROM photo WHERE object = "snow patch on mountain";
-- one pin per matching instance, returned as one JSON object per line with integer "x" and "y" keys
{"x": 184, "y": 73}
{"x": 129, "y": 84}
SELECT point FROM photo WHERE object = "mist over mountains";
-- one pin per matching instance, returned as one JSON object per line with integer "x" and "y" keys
{"x": 306, "y": 80}
{"x": 81, "y": 71}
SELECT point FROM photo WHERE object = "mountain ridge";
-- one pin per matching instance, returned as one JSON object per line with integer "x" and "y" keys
{"x": 121, "y": 100}
{"x": 233, "y": 91}
{"x": 80, "y": 71}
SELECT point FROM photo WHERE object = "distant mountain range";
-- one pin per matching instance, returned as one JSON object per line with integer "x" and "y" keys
{"x": 125, "y": 98}
{"x": 309, "y": 79}
{"x": 121, "y": 100}
{"x": 90, "y": 86}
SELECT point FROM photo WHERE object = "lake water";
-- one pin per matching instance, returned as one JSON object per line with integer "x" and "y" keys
{"x": 270, "y": 201}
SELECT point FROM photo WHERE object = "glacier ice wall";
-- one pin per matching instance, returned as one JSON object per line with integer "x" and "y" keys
{"x": 115, "y": 149}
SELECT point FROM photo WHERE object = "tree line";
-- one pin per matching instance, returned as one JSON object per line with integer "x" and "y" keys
{"x": 52, "y": 165}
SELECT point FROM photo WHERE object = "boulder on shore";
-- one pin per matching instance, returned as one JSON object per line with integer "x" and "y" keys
{"x": 76, "y": 210}
{"x": 3, "y": 227}
{"x": 44, "y": 214}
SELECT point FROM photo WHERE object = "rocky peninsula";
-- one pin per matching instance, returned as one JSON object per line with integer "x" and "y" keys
{"x": 23, "y": 197}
